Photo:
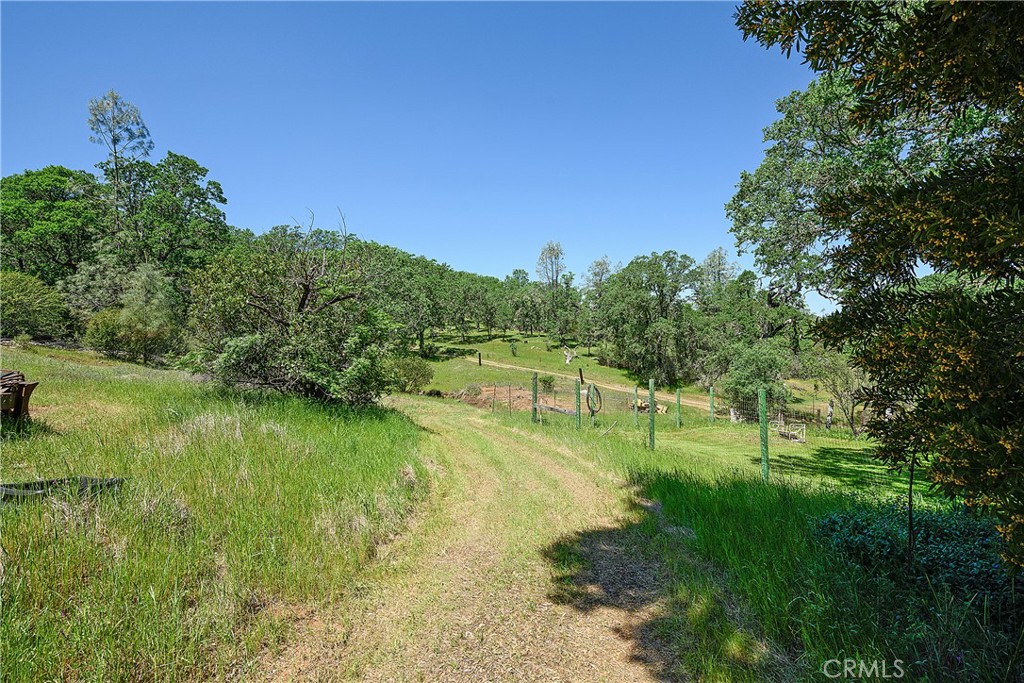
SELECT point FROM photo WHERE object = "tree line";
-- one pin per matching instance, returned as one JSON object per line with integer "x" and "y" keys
{"x": 138, "y": 261}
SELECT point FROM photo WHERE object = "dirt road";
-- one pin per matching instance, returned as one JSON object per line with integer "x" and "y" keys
{"x": 527, "y": 564}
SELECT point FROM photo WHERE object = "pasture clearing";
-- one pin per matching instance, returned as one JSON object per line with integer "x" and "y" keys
{"x": 235, "y": 507}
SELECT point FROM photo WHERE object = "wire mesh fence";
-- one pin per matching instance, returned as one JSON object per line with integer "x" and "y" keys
{"x": 801, "y": 441}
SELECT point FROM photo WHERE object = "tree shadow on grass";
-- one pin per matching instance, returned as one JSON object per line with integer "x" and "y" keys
{"x": 450, "y": 352}
{"x": 675, "y": 609}
{"x": 848, "y": 467}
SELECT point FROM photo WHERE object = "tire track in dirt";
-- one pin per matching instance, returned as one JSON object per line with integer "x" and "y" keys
{"x": 467, "y": 593}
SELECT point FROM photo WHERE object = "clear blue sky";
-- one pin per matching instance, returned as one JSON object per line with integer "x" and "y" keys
{"x": 470, "y": 133}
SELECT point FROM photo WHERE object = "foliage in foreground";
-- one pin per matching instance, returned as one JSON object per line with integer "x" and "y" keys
{"x": 284, "y": 311}
{"x": 955, "y": 552}
{"x": 947, "y": 362}
{"x": 234, "y": 507}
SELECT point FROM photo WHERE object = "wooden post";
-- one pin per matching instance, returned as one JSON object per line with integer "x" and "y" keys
{"x": 510, "y": 400}
{"x": 479, "y": 359}
{"x": 679, "y": 408}
{"x": 711, "y": 404}
{"x": 650, "y": 413}
{"x": 636, "y": 414}
{"x": 579, "y": 416}
{"x": 762, "y": 417}
{"x": 494, "y": 395}
{"x": 533, "y": 414}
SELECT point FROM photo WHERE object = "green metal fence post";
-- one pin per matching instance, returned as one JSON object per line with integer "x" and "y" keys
{"x": 636, "y": 415}
{"x": 533, "y": 413}
{"x": 579, "y": 416}
{"x": 711, "y": 405}
{"x": 651, "y": 411}
{"x": 762, "y": 416}
{"x": 679, "y": 408}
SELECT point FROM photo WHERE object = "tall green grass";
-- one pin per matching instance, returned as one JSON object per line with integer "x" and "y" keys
{"x": 235, "y": 509}
{"x": 755, "y": 594}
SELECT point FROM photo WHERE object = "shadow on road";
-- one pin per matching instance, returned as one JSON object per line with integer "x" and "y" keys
{"x": 674, "y": 608}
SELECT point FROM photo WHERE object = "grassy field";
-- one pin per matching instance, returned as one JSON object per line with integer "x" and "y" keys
{"x": 541, "y": 354}
{"x": 243, "y": 514}
{"x": 752, "y": 586}
{"x": 754, "y": 595}
{"x": 235, "y": 509}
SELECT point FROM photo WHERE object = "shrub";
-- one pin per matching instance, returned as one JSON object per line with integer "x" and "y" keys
{"x": 413, "y": 373}
{"x": 144, "y": 326}
{"x": 473, "y": 390}
{"x": 28, "y": 306}
{"x": 103, "y": 332}
{"x": 547, "y": 383}
{"x": 761, "y": 366}
{"x": 284, "y": 311}
{"x": 513, "y": 346}
{"x": 955, "y": 551}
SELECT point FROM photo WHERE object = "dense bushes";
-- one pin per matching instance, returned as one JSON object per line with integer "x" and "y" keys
{"x": 30, "y": 307}
{"x": 955, "y": 551}
{"x": 145, "y": 325}
{"x": 284, "y": 311}
{"x": 412, "y": 373}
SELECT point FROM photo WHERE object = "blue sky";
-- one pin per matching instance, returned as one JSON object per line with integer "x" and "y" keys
{"x": 468, "y": 132}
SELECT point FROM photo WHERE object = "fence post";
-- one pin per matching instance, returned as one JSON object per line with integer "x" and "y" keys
{"x": 636, "y": 415}
{"x": 651, "y": 411}
{"x": 711, "y": 404}
{"x": 679, "y": 408}
{"x": 510, "y": 400}
{"x": 579, "y": 417}
{"x": 762, "y": 417}
{"x": 533, "y": 412}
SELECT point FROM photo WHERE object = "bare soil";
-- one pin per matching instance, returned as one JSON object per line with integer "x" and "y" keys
{"x": 526, "y": 565}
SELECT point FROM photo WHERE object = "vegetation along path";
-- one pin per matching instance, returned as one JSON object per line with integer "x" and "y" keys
{"x": 473, "y": 591}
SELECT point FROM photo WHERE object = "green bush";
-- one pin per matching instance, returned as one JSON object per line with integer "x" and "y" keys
{"x": 413, "y": 373}
{"x": 28, "y": 306}
{"x": 953, "y": 551}
{"x": 283, "y": 311}
{"x": 547, "y": 383}
{"x": 761, "y": 366}
{"x": 144, "y": 327}
{"x": 103, "y": 332}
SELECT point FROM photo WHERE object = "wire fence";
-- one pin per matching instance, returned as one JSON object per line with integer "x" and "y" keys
{"x": 818, "y": 443}
{"x": 799, "y": 441}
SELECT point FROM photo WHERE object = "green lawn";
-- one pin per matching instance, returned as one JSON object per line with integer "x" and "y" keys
{"x": 235, "y": 507}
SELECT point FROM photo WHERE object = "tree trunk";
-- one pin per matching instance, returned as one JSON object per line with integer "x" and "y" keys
{"x": 910, "y": 515}
{"x": 423, "y": 348}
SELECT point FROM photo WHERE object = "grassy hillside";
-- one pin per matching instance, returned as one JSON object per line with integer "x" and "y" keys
{"x": 458, "y": 367}
{"x": 752, "y": 589}
{"x": 236, "y": 508}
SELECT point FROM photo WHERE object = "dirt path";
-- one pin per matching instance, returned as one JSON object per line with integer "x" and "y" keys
{"x": 477, "y": 590}
{"x": 658, "y": 395}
